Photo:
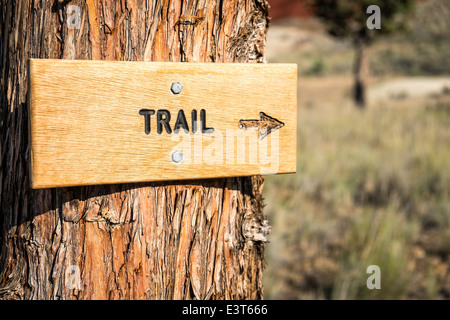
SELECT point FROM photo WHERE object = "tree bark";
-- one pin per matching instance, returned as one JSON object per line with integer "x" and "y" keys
{"x": 360, "y": 72}
{"x": 174, "y": 240}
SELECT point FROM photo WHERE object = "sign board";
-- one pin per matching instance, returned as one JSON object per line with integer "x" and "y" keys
{"x": 105, "y": 122}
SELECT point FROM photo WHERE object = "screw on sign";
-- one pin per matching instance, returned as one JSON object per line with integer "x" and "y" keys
{"x": 177, "y": 156}
{"x": 176, "y": 88}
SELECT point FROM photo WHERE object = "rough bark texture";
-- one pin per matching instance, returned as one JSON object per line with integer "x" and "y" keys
{"x": 178, "y": 240}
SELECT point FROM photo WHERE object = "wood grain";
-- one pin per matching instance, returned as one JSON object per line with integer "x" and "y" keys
{"x": 77, "y": 107}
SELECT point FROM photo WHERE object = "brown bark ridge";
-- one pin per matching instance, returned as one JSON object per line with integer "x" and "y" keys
{"x": 175, "y": 240}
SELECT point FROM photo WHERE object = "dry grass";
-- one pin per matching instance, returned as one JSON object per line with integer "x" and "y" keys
{"x": 373, "y": 187}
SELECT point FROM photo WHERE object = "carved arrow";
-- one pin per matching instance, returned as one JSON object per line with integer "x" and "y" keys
{"x": 266, "y": 125}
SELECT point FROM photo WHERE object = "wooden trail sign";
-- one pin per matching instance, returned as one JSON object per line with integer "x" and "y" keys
{"x": 105, "y": 122}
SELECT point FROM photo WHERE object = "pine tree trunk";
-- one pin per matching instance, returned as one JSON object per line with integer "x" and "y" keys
{"x": 174, "y": 240}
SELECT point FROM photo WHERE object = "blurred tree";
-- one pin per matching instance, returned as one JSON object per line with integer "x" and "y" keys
{"x": 350, "y": 19}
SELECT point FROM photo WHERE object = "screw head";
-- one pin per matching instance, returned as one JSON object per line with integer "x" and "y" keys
{"x": 177, "y": 156}
{"x": 176, "y": 88}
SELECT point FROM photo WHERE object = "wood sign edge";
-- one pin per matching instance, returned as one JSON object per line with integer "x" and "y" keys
{"x": 35, "y": 182}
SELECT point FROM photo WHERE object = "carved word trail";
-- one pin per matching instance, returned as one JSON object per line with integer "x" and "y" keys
{"x": 163, "y": 118}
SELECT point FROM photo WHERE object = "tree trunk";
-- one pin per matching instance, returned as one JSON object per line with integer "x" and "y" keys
{"x": 360, "y": 72}
{"x": 174, "y": 240}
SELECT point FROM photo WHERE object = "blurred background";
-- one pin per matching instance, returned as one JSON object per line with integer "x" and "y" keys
{"x": 373, "y": 174}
